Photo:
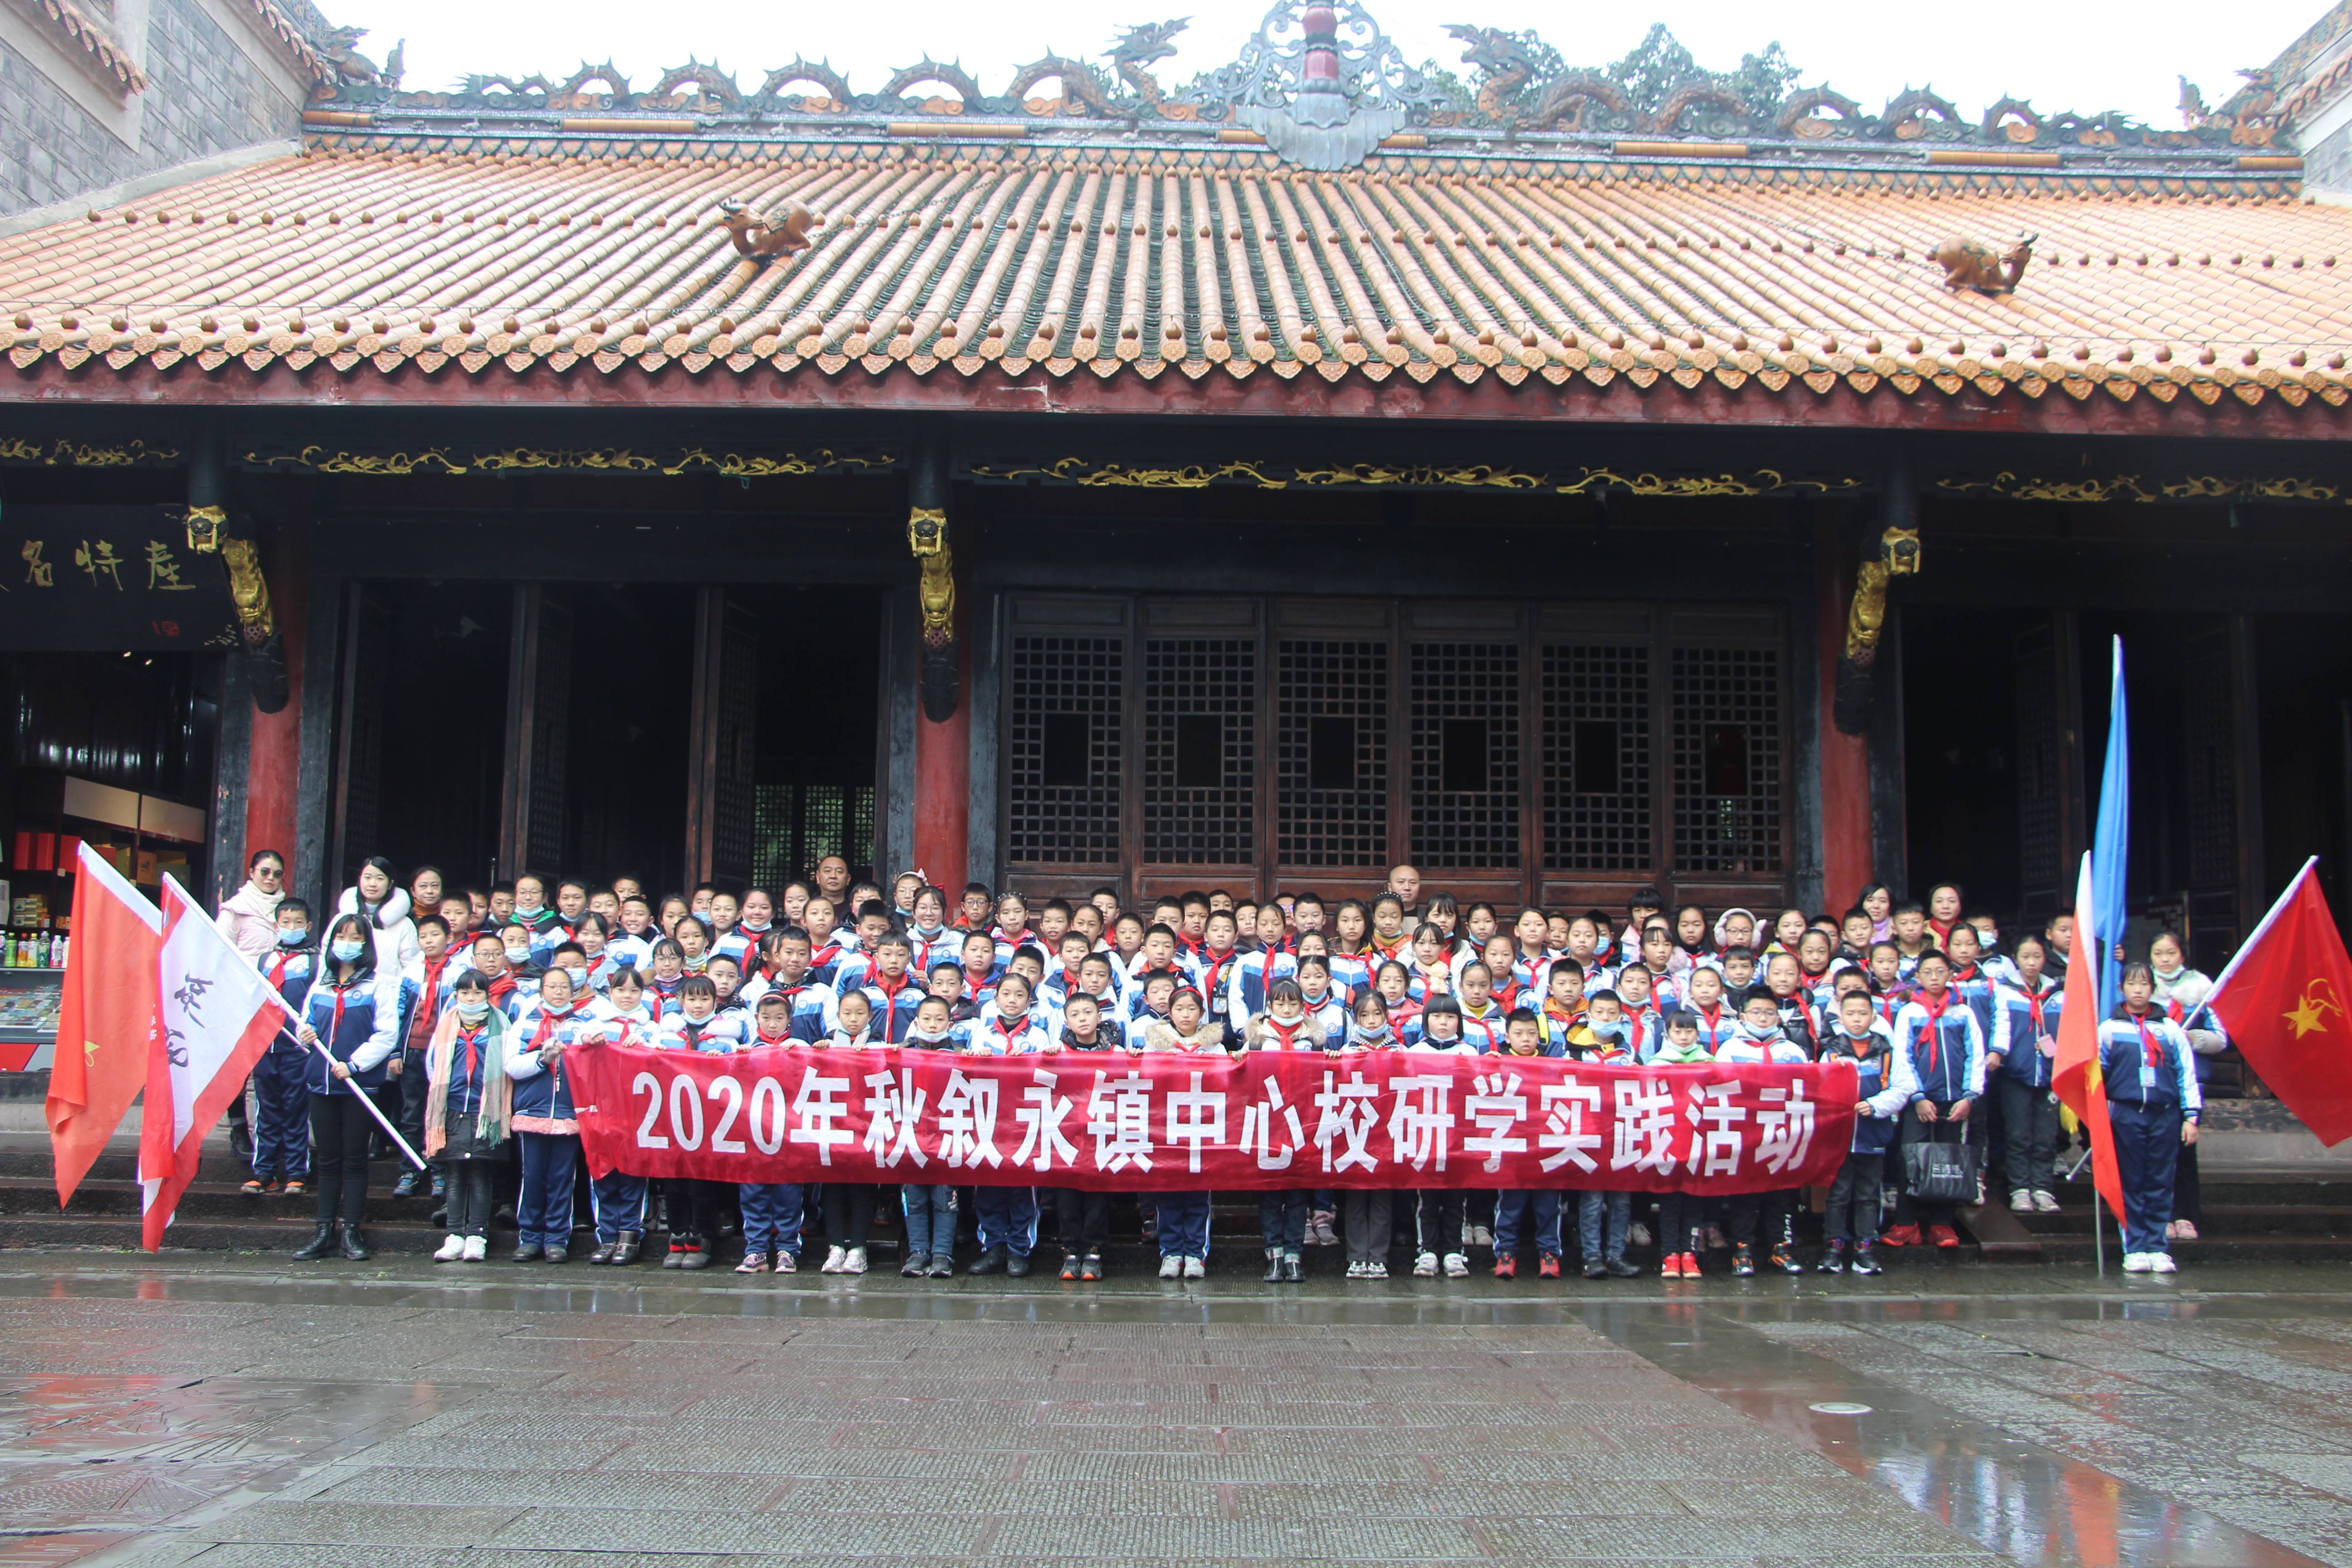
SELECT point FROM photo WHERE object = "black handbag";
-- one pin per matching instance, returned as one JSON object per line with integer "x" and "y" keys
{"x": 1940, "y": 1172}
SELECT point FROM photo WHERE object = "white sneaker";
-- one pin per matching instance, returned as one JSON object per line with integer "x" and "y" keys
{"x": 2137, "y": 1263}
{"x": 1171, "y": 1268}
{"x": 2020, "y": 1201}
{"x": 2161, "y": 1263}
{"x": 787, "y": 1264}
{"x": 1480, "y": 1236}
{"x": 1456, "y": 1266}
{"x": 856, "y": 1262}
{"x": 2046, "y": 1203}
{"x": 1356, "y": 1269}
{"x": 1425, "y": 1265}
{"x": 451, "y": 1249}
{"x": 833, "y": 1258}
{"x": 1637, "y": 1234}
{"x": 477, "y": 1248}
{"x": 1376, "y": 1269}
{"x": 1196, "y": 1268}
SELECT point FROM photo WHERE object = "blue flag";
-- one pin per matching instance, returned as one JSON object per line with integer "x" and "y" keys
{"x": 2108, "y": 843}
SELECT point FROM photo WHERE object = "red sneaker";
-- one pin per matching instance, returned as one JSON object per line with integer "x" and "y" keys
{"x": 1900, "y": 1235}
{"x": 1943, "y": 1236}
{"x": 1672, "y": 1268}
{"x": 1507, "y": 1268}
{"x": 1548, "y": 1268}
{"x": 1690, "y": 1266}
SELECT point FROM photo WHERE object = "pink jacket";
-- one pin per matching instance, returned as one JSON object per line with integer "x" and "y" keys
{"x": 248, "y": 918}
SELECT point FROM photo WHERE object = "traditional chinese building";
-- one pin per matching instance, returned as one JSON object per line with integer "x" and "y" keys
{"x": 1564, "y": 480}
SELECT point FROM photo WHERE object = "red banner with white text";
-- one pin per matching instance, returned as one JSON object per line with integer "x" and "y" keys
{"x": 1169, "y": 1122}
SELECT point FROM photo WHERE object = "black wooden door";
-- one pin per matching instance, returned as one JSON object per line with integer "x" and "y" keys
{"x": 722, "y": 731}
{"x": 2051, "y": 832}
{"x": 359, "y": 739}
{"x": 533, "y": 816}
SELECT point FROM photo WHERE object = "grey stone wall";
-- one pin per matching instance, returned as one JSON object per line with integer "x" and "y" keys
{"x": 203, "y": 97}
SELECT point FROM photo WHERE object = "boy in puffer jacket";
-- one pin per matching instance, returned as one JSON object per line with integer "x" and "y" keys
{"x": 1756, "y": 1041}
{"x": 1882, "y": 1093}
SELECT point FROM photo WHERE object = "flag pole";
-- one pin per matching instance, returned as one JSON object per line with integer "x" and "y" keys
{"x": 2098, "y": 1226}
{"x": 334, "y": 1061}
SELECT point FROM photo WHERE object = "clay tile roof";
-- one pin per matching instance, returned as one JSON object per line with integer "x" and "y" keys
{"x": 963, "y": 261}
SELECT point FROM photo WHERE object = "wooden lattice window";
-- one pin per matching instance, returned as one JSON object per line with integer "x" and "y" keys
{"x": 1332, "y": 752}
{"x": 1063, "y": 752}
{"x": 1728, "y": 789}
{"x": 1466, "y": 753}
{"x": 1597, "y": 807}
{"x": 1199, "y": 751}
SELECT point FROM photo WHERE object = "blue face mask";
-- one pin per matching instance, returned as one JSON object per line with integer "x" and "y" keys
{"x": 296, "y": 936}
{"x": 347, "y": 951}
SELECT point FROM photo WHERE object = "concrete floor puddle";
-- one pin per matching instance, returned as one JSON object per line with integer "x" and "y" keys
{"x": 229, "y": 1412}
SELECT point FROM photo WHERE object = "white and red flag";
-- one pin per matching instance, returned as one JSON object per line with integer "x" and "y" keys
{"x": 218, "y": 1014}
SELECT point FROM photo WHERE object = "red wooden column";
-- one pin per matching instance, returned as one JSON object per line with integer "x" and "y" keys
{"x": 944, "y": 782}
{"x": 1845, "y": 759}
{"x": 275, "y": 753}
{"x": 942, "y": 828}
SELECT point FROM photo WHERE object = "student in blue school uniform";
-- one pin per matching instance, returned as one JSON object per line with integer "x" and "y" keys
{"x": 1082, "y": 1219}
{"x": 772, "y": 1212}
{"x": 468, "y": 1100}
{"x": 354, "y": 1012}
{"x": 696, "y": 1027}
{"x": 1282, "y": 1213}
{"x": 1938, "y": 1035}
{"x": 1703, "y": 999}
{"x": 930, "y": 1208}
{"x": 627, "y": 1018}
{"x": 890, "y": 986}
{"x": 281, "y": 1121}
{"x": 1183, "y": 1217}
{"x": 2025, "y": 1045}
{"x": 543, "y": 1118}
{"x": 1882, "y": 1092}
{"x": 1007, "y": 1215}
{"x": 2150, "y": 1071}
{"x": 1757, "y": 1041}
{"x": 1520, "y": 1209}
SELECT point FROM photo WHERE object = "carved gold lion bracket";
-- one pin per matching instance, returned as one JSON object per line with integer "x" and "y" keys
{"x": 927, "y": 540}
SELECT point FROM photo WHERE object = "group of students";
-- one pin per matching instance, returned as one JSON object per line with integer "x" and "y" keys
{"x": 453, "y": 1008}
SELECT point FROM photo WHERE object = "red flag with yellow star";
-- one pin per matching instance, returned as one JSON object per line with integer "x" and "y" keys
{"x": 2283, "y": 1002}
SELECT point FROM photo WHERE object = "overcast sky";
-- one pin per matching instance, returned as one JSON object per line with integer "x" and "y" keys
{"x": 2075, "y": 54}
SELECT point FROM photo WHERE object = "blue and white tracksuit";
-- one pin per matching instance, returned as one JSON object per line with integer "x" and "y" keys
{"x": 2150, "y": 1071}
{"x": 620, "y": 1199}
{"x": 542, "y": 1095}
{"x": 281, "y": 1122}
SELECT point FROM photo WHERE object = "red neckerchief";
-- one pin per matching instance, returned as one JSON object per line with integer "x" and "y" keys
{"x": 1024, "y": 937}
{"x": 1943, "y": 929}
{"x": 1004, "y": 1030}
{"x": 430, "y": 1014}
{"x": 1974, "y": 972}
{"x": 1215, "y": 971}
{"x": 890, "y": 1001}
{"x": 472, "y": 1038}
{"x": 1507, "y": 997}
{"x": 2033, "y": 1001}
{"x": 1288, "y": 1032}
{"x": 1804, "y": 1015}
{"x": 2146, "y": 1038}
{"x": 335, "y": 1029}
{"x": 784, "y": 1039}
{"x": 503, "y": 986}
{"x": 829, "y": 953}
{"x": 1934, "y": 1021}
{"x": 971, "y": 988}
{"x": 1714, "y": 1017}
{"x": 1633, "y": 1031}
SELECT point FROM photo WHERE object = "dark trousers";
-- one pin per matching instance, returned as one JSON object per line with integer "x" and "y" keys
{"x": 848, "y": 1212}
{"x": 1765, "y": 1216}
{"x": 1369, "y": 1224}
{"x": 1518, "y": 1211}
{"x": 1082, "y": 1220}
{"x": 2187, "y": 1200}
{"x": 1850, "y": 1216}
{"x": 1282, "y": 1219}
{"x": 410, "y": 1117}
{"x": 1943, "y": 1130}
{"x": 281, "y": 1133}
{"x": 1680, "y": 1216}
{"x": 2029, "y": 1119}
{"x": 1441, "y": 1220}
{"x": 772, "y": 1217}
{"x": 340, "y": 1126}
{"x": 469, "y": 1182}
{"x": 620, "y": 1205}
{"x": 2147, "y": 1157}
{"x": 543, "y": 1210}
{"x": 695, "y": 1208}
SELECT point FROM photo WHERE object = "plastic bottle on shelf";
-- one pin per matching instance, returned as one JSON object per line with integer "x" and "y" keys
{"x": 59, "y": 952}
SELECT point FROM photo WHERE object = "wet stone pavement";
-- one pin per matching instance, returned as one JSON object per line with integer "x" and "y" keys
{"x": 237, "y": 1411}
